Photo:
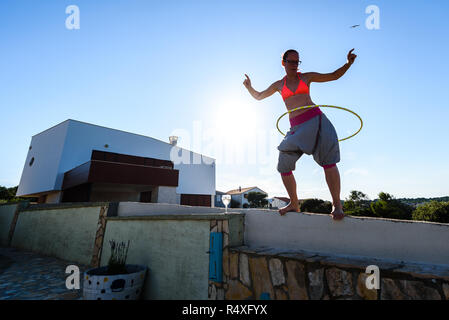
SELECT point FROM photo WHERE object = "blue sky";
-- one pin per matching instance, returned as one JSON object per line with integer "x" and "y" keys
{"x": 162, "y": 67}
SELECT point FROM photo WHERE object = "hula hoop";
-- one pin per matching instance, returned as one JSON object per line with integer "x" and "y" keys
{"x": 326, "y": 106}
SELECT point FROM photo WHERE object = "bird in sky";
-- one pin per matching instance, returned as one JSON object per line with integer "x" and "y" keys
{"x": 355, "y": 26}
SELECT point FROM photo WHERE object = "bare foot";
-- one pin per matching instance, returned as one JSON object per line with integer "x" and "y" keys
{"x": 337, "y": 213}
{"x": 288, "y": 208}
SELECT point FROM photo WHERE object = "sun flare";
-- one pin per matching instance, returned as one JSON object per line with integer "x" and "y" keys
{"x": 235, "y": 120}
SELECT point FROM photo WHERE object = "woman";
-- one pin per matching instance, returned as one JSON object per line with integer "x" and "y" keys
{"x": 310, "y": 132}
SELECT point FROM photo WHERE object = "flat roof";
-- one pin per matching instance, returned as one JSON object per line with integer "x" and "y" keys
{"x": 99, "y": 126}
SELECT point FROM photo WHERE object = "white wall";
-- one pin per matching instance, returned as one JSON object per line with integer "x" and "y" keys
{"x": 46, "y": 148}
{"x": 421, "y": 242}
{"x": 196, "y": 178}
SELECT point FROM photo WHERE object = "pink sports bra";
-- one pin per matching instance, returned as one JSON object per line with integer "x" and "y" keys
{"x": 287, "y": 93}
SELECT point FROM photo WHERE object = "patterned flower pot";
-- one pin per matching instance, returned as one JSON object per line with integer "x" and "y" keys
{"x": 98, "y": 285}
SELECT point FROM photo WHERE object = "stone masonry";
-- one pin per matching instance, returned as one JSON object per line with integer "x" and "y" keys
{"x": 250, "y": 274}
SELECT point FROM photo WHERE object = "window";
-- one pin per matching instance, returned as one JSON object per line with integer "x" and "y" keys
{"x": 145, "y": 196}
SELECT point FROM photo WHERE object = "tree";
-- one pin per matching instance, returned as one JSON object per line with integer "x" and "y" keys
{"x": 357, "y": 196}
{"x": 4, "y": 193}
{"x": 389, "y": 207}
{"x": 432, "y": 211}
{"x": 358, "y": 204}
{"x": 257, "y": 199}
{"x": 9, "y": 195}
{"x": 315, "y": 206}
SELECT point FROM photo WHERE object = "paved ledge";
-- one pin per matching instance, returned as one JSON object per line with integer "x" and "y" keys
{"x": 187, "y": 216}
{"x": 387, "y": 267}
{"x": 403, "y": 240}
{"x": 64, "y": 205}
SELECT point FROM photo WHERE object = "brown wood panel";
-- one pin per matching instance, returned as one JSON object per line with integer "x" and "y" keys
{"x": 118, "y": 168}
{"x": 110, "y": 172}
{"x": 76, "y": 176}
{"x": 125, "y": 158}
{"x": 203, "y": 200}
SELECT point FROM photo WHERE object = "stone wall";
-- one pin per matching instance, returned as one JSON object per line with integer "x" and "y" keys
{"x": 283, "y": 275}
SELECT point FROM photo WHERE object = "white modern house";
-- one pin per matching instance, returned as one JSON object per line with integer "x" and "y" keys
{"x": 80, "y": 162}
{"x": 241, "y": 194}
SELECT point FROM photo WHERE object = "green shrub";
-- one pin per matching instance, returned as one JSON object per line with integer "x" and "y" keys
{"x": 357, "y": 204}
{"x": 315, "y": 206}
{"x": 389, "y": 207}
{"x": 359, "y": 212}
{"x": 257, "y": 199}
{"x": 432, "y": 211}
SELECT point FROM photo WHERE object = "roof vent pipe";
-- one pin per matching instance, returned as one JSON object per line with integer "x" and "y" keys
{"x": 173, "y": 140}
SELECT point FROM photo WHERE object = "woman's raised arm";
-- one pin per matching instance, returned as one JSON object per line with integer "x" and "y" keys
{"x": 260, "y": 95}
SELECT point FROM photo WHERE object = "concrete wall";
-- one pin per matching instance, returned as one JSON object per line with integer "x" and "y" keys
{"x": 167, "y": 195}
{"x": 6, "y": 217}
{"x": 65, "y": 233}
{"x": 174, "y": 251}
{"x": 411, "y": 241}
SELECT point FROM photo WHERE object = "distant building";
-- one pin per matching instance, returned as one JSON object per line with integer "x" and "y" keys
{"x": 81, "y": 162}
{"x": 279, "y": 202}
{"x": 218, "y": 201}
{"x": 240, "y": 195}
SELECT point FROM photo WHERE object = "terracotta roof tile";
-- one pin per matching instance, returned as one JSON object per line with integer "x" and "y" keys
{"x": 236, "y": 191}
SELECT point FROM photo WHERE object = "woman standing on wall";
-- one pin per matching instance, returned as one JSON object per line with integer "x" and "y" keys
{"x": 310, "y": 132}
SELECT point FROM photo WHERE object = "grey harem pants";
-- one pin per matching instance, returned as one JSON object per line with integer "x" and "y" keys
{"x": 310, "y": 133}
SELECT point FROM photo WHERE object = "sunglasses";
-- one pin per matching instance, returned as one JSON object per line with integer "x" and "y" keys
{"x": 293, "y": 61}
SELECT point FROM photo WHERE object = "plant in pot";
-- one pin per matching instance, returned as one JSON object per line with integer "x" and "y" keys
{"x": 117, "y": 280}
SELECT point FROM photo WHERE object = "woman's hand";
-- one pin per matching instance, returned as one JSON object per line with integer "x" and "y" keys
{"x": 247, "y": 82}
{"x": 351, "y": 57}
